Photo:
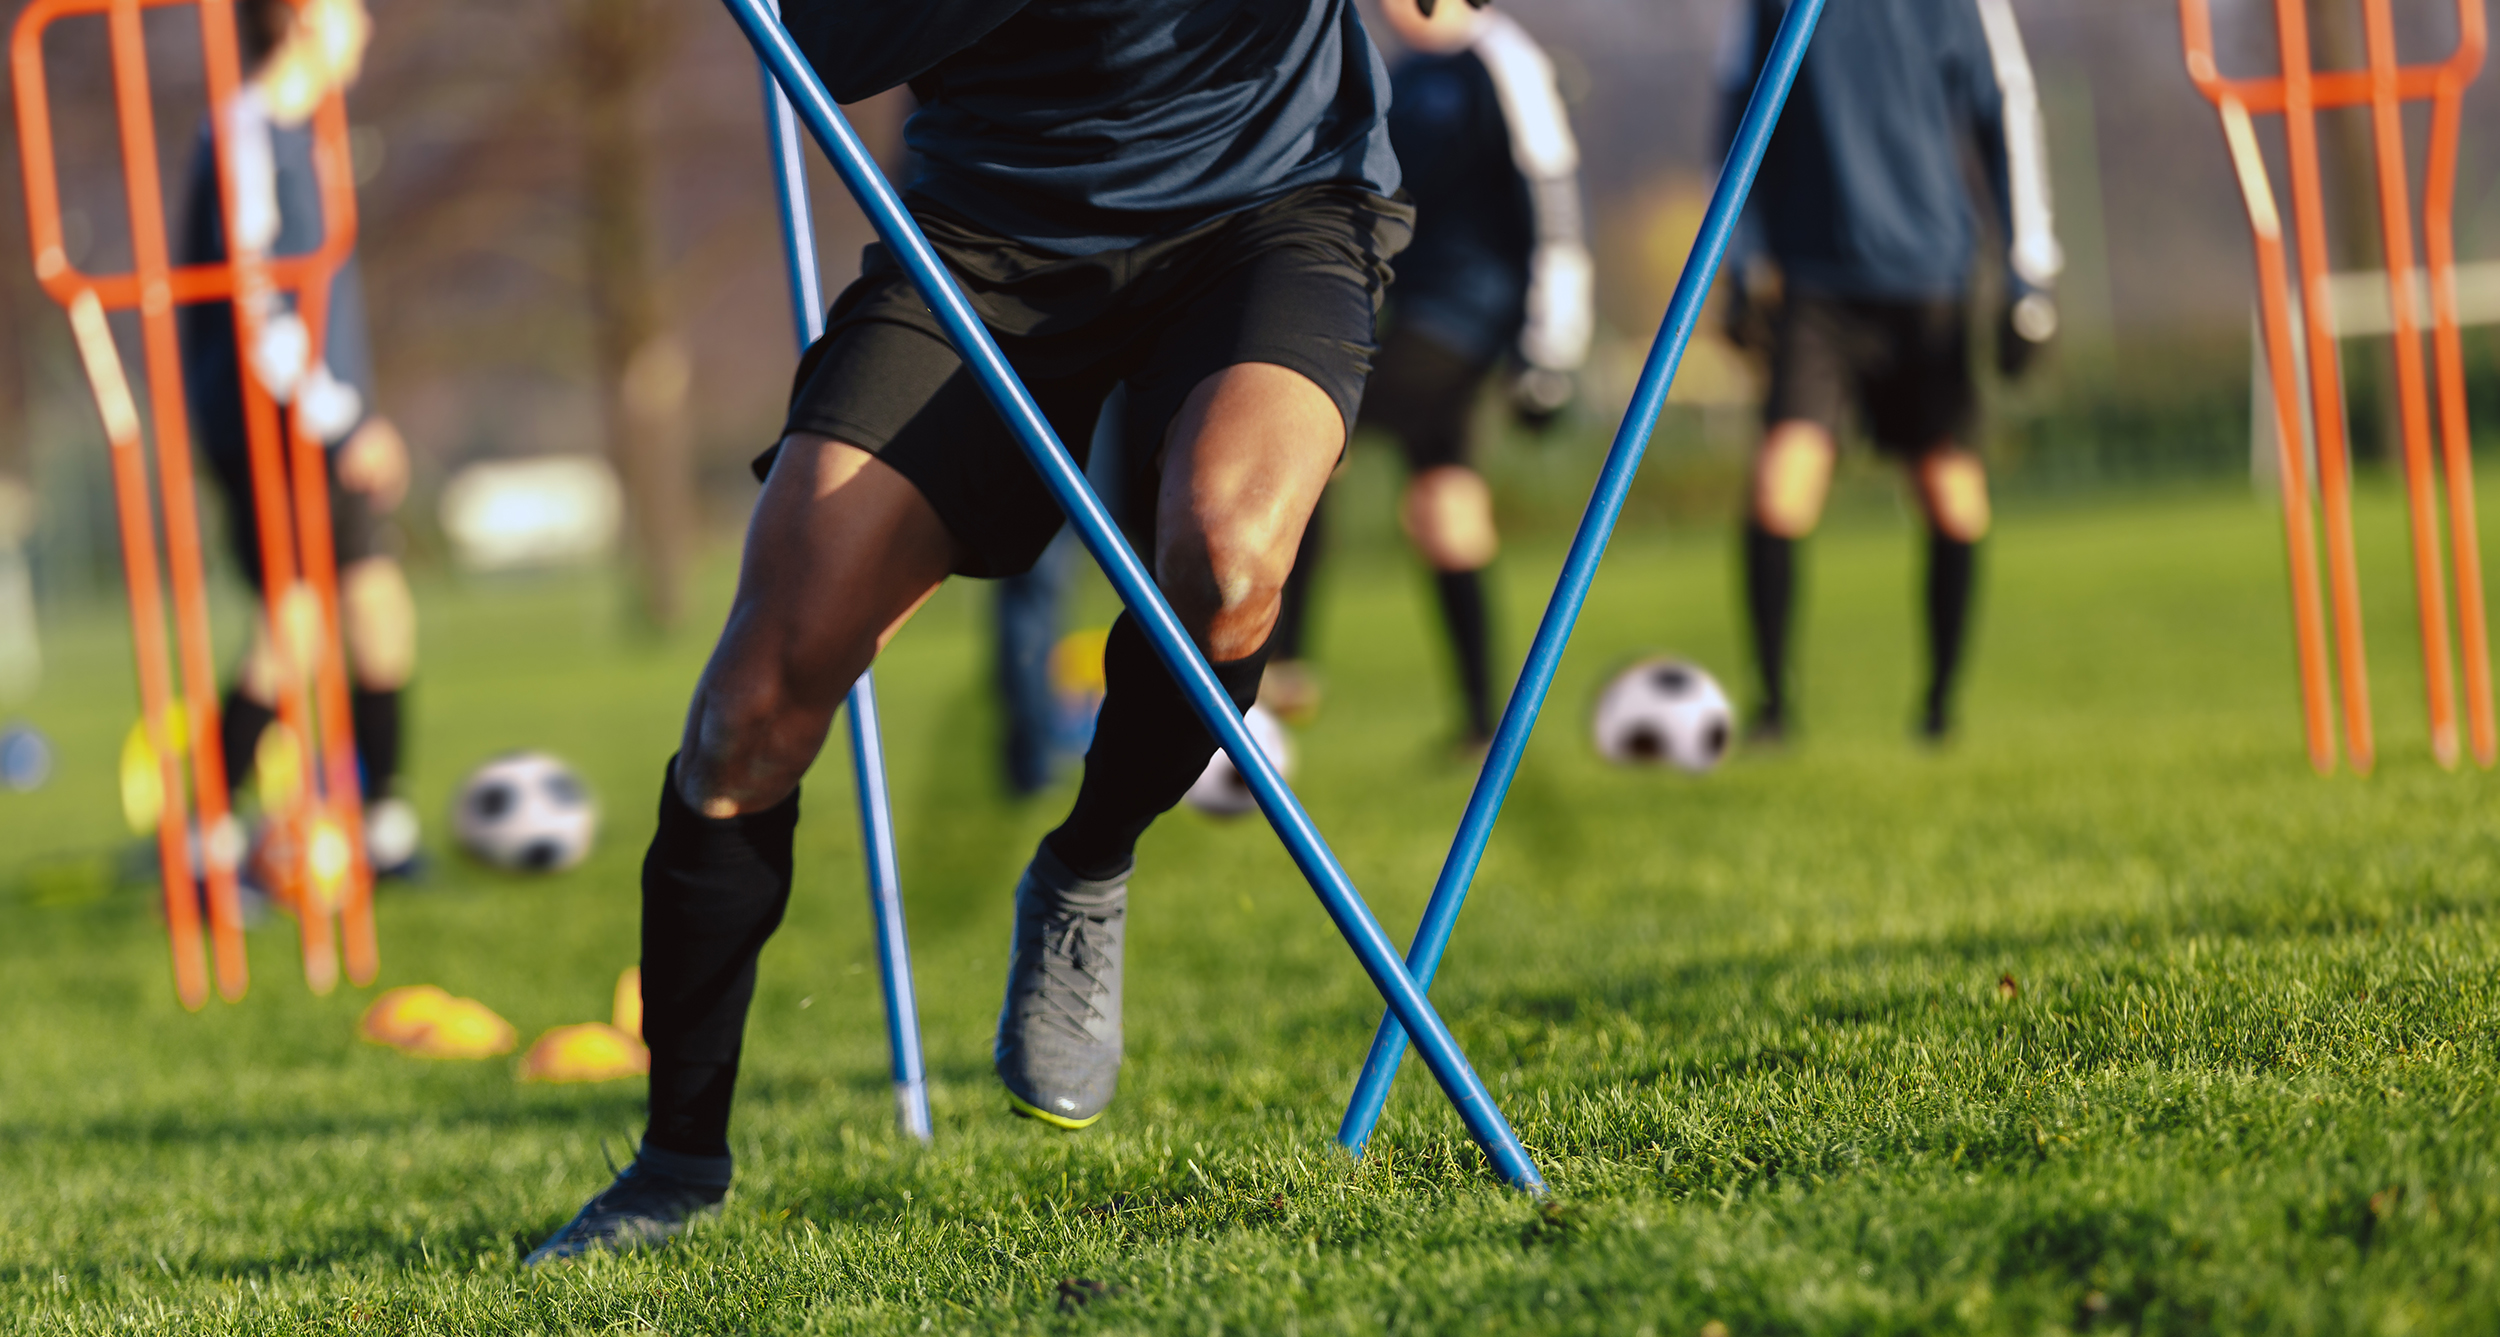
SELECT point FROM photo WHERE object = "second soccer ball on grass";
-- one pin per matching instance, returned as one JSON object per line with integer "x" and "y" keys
{"x": 1664, "y": 711}
{"x": 527, "y": 812}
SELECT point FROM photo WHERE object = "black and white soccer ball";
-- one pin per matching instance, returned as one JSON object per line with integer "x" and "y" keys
{"x": 1220, "y": 790}
{"x": 527, "y": 812}
{"x": 1664, "y": 711}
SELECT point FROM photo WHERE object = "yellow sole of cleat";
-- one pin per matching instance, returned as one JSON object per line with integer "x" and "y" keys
{"x": 1032, "y": 1111}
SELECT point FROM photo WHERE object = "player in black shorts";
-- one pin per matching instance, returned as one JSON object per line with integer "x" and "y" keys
{"x": 1499, "y": 270}
{"x": 368, "y": 461}
{"x": 1862, "y": 208}
{"x": 1193, "y": 198}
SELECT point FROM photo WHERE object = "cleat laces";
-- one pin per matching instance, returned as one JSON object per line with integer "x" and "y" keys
{"x": 1070, "y": 978}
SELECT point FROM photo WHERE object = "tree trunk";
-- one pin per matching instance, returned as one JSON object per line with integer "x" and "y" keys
{"x": 641, "y": 365}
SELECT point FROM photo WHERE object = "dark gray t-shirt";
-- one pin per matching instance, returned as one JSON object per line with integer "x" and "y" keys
{"x": 1079, "y": 126}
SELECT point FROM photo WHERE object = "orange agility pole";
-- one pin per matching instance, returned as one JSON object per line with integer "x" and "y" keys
{"x": 2298, "y": 94}
{"x": 317, "y": 835}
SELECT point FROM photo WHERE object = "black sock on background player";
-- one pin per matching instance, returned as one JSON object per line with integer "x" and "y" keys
{"x": 1952, "y": 571}
{"x": 1149, "y": 748}
{"x": 374, "y": 716}
{"x": 240, "y": 723}
{"x": 1469, "y": 623}
{"x": 1770, "y": 593}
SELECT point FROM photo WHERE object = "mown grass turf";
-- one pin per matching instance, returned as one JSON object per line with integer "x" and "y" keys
{"x": 2112, "y": 1016}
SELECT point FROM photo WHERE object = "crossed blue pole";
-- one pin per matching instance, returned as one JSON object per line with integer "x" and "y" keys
{"x": 1597, "y": 525}
{"x": 876, "y": 811}
{"x": 894, "y": 226}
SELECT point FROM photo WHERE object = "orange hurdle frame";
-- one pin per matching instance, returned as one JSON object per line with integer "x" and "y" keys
{"x": 2297, "y": 94}
{"x": 321, "y": 866}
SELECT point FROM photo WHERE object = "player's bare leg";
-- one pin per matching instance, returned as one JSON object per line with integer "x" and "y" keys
{"x": 1447, "y": 513}
{"x": 841, "y": 550}
{"x": 1791, "y": 480}
{"x": 1952, "y": 487}
{"x": 1244, "y": 463}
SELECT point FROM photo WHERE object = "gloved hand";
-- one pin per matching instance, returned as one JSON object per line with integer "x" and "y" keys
{"x": 1537, "y": 397}
{"x": 2025, "y": 328}
{"x": 1749, "y": 318}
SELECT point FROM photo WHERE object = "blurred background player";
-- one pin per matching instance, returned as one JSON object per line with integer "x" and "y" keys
{"x": 291, "y": 60}
{"x": 1498, "y": 267}
{"x": 1039, "y": 728}
{"x": 1864, "y": 210}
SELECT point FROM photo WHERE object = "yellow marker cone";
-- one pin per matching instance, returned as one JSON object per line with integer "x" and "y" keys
{"x": 143, "y": 782}
{"x": 1076, "y": 661}
{"x": 329, "y": 862}
{"x": 278, "y": 767}
{"x": 592, "y": 1051}
{"x": 424, "y": 1021}
{"x": 628, "y": 1009}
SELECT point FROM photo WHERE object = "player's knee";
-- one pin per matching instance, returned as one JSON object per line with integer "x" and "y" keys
{"x": 748, "y": 744}
{"x": 1954, "y": 486}
{"x": 1448, "y": 513}
{"x": 1227, "y": 588}
{"x": 1792, "y": 477}
{"x": 379, "y": 618}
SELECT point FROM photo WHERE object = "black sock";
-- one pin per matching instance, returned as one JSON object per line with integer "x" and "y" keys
{"x": 1149, "y": 748}
{"x": 713, "y": 889}
{"x": 1289, "y": 641}
{"x": 375, "y": 718}
{"x": 1470, "y": 626}
{"x": 240, "y": 723}
{"x": 1952, "y": 571}
{"x": 1770, "y": 590}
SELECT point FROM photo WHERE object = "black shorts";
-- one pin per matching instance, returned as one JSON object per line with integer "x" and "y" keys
{"x": 1903, "y": 366}
{"x": 357, "y": 531}
{"x": 1423, "y": 393}
{"x": 1296, "y": 282}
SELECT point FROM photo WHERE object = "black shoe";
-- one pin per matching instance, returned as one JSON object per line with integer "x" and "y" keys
{"x": 1767, "y": 731}
{"x": 642, "y": 1207}
{"x": 1935, "y": 727}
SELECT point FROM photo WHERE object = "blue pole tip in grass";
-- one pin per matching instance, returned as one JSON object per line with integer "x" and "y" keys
{"x": 1588, "y": 545}
{"x": 815, "y": 108}
{"x": 876, "y": 811}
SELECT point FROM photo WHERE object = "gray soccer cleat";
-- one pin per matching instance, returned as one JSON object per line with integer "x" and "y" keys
{"x": 643, "y": 1206}
{"x": 1058, "y": 1045}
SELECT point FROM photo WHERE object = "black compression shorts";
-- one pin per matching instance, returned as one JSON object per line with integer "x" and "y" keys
{"x": 1903, "y": 366}
{"x": 1423, "y": 393}
{"x": 1296, "y": 282}
{"x": 357, "y": 531}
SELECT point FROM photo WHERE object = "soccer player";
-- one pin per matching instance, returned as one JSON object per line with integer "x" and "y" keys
{"x": 1499, "y": 270}
{"x": 1863, "y": 207}
{"x": 1190, "y": 197}
{"x": 291, "y": 59}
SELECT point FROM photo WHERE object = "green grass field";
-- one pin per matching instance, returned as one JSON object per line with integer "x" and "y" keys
{"x": 2111, "y": 1017}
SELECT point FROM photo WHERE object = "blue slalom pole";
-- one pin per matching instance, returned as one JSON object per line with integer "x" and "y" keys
{"x": 876, "y": 810}
{"x": 1597, "y": 525}
{"x": 1371, "y": 946}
